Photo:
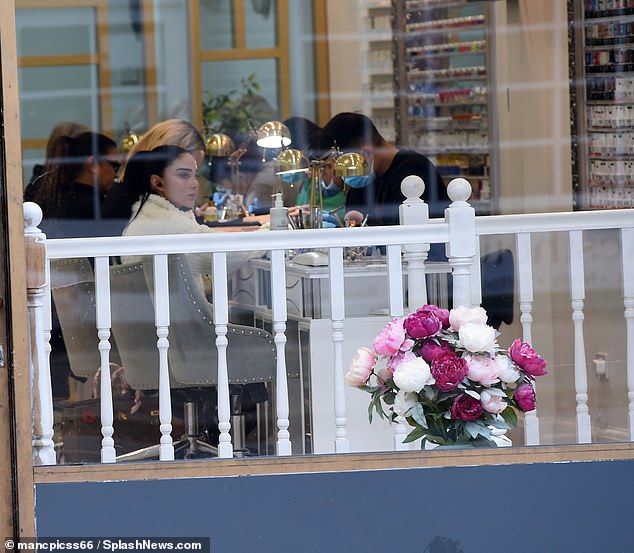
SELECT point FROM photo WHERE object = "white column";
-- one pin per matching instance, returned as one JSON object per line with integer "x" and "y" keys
{"x": 461, "y": 248}
{"x": 525, "y": 286}
{"x": 414, "y": 211}
{"x": 577, "y": 296}
{"x": 627, "y": 252}
{"x": 40, "y": 375}
{"x": 278, "y": 297}
{"x": 338, "y": 316}
{"x": 221, "y": 322}
{"x": 162, "y": 323}
{"x": 102, "y": 294}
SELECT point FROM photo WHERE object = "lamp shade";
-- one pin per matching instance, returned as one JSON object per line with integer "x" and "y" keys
{"x": 350, "y": 165}
{"x": 291, "y": 161}
{"x": 128, "y": 142}
{"x": 273, "y": 135}
{"x": 219, "y": 145}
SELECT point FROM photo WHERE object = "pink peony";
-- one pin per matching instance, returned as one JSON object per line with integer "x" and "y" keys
{"x": 525, "y": 357}
{"x": 482, "y": 369}
{"x": 448, "y": 370}
{"x": 430, "y": 349}
{"x": 399, "y": 358}
{"x": 389, "y": 340}
{"x": 466, "y": 408}
{"x": 462, "y": 315}
{"x": 493, "y": 400}
{"x": 361, "y": 367}
{"x": 525, "y": 397}
{"x": 423, "y": 323}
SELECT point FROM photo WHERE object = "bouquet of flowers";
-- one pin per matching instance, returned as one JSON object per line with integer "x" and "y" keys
{"x": 444, "y": 372}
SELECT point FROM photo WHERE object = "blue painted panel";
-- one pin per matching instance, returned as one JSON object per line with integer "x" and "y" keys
{"x": 580, "y": 507}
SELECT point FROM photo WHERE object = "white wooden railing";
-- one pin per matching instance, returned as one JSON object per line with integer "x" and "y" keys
{"x": 406, "y": 246}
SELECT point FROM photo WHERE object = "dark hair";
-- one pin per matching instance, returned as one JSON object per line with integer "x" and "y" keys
{"x": 305, "y": 135}
{"x": 68, "y": 157}
{"x": 139, "y": 170}
{"x": 350, "y": 130}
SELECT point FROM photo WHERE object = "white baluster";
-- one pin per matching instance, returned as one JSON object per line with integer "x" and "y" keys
{"x": 102, "y": 293}
{"x": 221, "y": 322}
{"x": 414, "y": 211}
{"x": 162, "y": 323}
{"x": 36, "y": 284}
{"x": 278, "y": 297}
{"x": 338, "y": 316}
{"x": 627, "y": 253}
{"x": 577, "y": 295}
{"x": 525, "y": 286}
{"x": 461, "y": 247}
{"x": 395, "y": 286}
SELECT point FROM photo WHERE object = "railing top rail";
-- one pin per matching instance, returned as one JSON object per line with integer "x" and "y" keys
{"x": 552, "y": 222}
{"x": 245, "y": 241}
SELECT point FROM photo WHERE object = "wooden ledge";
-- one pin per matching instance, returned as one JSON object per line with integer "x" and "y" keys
{"x": 154, "y": 470}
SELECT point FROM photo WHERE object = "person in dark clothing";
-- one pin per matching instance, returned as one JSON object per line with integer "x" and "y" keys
{"x": 79, "y": 173}
{"x": 379, "y": 194}
{"x": 65, "y": 128}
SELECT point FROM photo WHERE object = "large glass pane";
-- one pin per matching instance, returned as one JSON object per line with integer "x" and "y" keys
{"x": 127, "y": 65}
{"x": 224, "y": 77}
{"x": 216, "y": 25}
{"x": 261, "y": 23}
{"x": 56, "y": 32}
{"x": 172, "y": 56}
{"x": 53, "y": 94}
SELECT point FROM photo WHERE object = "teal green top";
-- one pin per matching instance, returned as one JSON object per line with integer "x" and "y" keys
{"x": 335, "y": 205}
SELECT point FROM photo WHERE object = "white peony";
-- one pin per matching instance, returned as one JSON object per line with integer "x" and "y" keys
{"x": 462, "y": 315}
{"x": 403, "y": 402}
{"x": 477, "y": 337}
{"x": 413, "y": 375}
{"x": 509, "y": 372}
{"x": 493, "y": 400}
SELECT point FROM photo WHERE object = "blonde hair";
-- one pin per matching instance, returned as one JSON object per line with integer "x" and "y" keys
{"x": 171, "y": 132}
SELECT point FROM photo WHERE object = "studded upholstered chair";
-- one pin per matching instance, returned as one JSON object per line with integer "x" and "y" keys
{"x": 192, "y": 354}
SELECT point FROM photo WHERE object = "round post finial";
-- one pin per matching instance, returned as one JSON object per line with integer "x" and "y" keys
{"x": 459, "y": 190}
{"x": 412, "y": 188}
{"x": 32, "y": 216}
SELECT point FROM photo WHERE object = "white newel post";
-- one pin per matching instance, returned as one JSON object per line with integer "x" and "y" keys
{"x": 41, "y": 392}
{"x": 414, "y": 211}
{"x": 461, "y": 247}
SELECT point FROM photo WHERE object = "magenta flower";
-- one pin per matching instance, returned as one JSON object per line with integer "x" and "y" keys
{"x": 389, "y": 340}
{"x": 527, "y": 359}
{"x": 441, "y": 314}
{"x": 430, "y": 349}
{"x": 525, "y": 397}
{"x": 466, "y": 408}
{"x": 448, "y": 370}
{"x": 423, "y": 323}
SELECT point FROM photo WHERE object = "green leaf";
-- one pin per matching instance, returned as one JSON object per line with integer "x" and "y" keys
{"x": 510, "y": 416}
{"x": 418, "y": 414}
{"x": 414, "y": 435}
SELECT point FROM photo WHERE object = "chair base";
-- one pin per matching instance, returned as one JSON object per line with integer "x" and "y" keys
{"x": 188, "y": 448}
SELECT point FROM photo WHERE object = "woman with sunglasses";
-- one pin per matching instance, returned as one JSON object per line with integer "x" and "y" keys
{"x": 79, "y": 173}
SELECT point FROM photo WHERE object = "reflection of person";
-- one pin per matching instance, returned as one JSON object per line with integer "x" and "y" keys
{"x": 65, "y": 128}
{"x": 79, "y": 173}
{"x": 176, "y": 132}
{"x": 379, "y": 194}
